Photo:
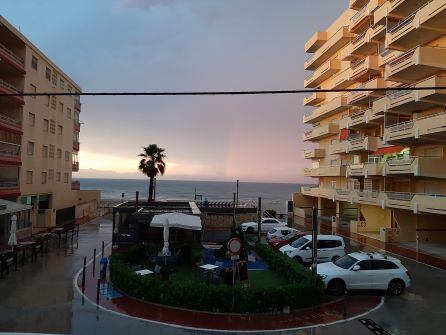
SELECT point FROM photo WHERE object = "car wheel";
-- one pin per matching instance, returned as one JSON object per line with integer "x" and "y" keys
{"x": 396, "y": 287}
{"x": 335, "y": 258}
{"x": 298, "y": 259}
{"x": 250, "y": 230}
{"x": 336, "y": 287}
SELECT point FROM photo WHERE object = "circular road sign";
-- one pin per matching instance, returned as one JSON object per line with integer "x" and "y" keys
{"x": 235, "y": 246}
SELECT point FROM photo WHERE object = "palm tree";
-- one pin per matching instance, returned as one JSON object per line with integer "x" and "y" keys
{"x": 151, "y": 164}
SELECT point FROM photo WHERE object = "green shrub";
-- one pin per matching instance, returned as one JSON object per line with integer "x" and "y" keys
{"x": 301, "y": 291}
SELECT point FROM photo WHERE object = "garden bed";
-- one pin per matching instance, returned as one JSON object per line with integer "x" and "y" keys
{"x": 286, "y": 285}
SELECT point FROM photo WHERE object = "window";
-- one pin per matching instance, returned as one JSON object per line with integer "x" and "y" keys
{"x": 53, "y": 127}
{"x": 365, "y": 265}
{"x": 43, "y": 177}
{"x": 45, "y": 125}
{"x": 47, "y": 101}
{"x": 33, "y": 89}
{"x": 58, "y": 176}
{"x": 50, "y": 174}
{"x": 62, "y": 83}
{"x": 34, "y": 62}
{"x": 383, "y": 265}
{"x": 67, "y": 156}
{"x": 65, "y": 177}
{"x": 30, "y": 148}
{"x": 75, "y": 158}
{"x": 59, "y": 130}
{"x": 69, "y": 89}
{"x": 69, "y": 113}
{"x": 76, "y": 139}
{"x": 59, "y": 153}
{"x": 61, "y": 107}
{"x": 29, "y": 177}
{"x": 328, "y": 244}
{"x": 44, "y": 151}
{"x": 48, "y": 73}
{"x": 32, "y": 119}
{"x": 53, "y": 102}
{"x": 54, "y": 78}
{"x": 52, "y": 150}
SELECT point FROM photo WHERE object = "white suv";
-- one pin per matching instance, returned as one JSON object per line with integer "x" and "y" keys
{"x": 364, "y": 271}
{"x": 329, "y": 248}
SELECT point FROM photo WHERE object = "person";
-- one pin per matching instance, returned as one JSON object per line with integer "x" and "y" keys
{"x": 103, "y": 272}
{"x": 206, "y": 202}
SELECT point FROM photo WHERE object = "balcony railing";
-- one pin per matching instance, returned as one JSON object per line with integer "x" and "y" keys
{"x": 358, "y": 14}
{"x": 9, "y": 86}
{"x": 9, "y": 149}
{"x": 400, "y": 126}
{"x": 10, "y": 121}
{"x": 6, "y": 184}
{"x": 75, "y": 185}
{"x": 400, "y": 161}
{"x": 359, "y": 38}
{"x": 408, "y": 20}
{"x": 403, "y": 57}
{"x": 368, "y": 194}
{"x": 12, "y": 54}
{"x": 400, "y": 196}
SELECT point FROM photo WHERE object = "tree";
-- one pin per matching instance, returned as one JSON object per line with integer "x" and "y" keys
{"x": 151, "y": 164}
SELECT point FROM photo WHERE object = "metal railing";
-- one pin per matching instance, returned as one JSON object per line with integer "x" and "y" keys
{"x": 343, "y": 191}
{"x": 9, "y": 120}
{"x": 12, "y": 54}
{"x": 403, "y": 57}
{"x": 9, "y": 86}
{"x": 359, "y": 13}
{"x": 401, "y": 161}
{"x": 398, "y": 94}
{"x": 359, "y": 38}
{"x": 408, "y": 20}
{"x": 401, "y": 196}
{"x": 327, "y": 44}
{"x": 9, "y": 149}
{"x": 9, "y": 183}
{"x": 401, "y": 126}
{"x": 368, "y": 194}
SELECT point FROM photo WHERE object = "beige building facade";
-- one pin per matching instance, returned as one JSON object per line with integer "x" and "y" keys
{"x": 379, "y": 157}
{"x": 39, "y": 135}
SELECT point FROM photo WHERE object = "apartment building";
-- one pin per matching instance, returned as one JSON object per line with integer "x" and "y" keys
{"x": 39, "y": 136}
{"x": 379, "y": 157}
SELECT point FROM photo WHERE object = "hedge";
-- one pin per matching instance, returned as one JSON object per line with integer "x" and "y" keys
{"x": 299, "y": 293}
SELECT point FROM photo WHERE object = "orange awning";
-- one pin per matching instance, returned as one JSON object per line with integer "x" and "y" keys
{"x": 388, "y": 150}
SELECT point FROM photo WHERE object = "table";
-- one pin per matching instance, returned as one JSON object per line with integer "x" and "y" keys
{"x": 209, "y": 271}
{"x": 209, "y": 267}
{"x": 34, "y": 246}
{"x": 144, "y": 272}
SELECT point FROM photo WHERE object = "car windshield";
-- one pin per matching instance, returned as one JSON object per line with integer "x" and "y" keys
{"x": 345, "y": 262}
{"x": 299, "y": 242}
{"x": 272, "y": 231}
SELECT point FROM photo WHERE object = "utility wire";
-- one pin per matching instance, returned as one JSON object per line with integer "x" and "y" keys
{"x": 261, "y": 92}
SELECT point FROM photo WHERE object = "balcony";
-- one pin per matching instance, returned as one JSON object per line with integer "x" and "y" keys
{"x": 314, "y": 99}
{"x": 422, "y": 26}
{"x": 319, "y": 192}
{"x": 324, "y": 72}
{"x": 365, "y": 69}
{"x": 76, "y": 146}
{"x": 7, "y": 88}
{"x": 363, "y": 44}
{"x": 404, "y": 8}
{"x": 76, "y": 125}
{"x": 334, "y": 106}
{"x": 75, "y": 167}
{"x": 378, "y": 32}
{"x": 9, "y": 187}
{"x": 371, "y": 168}
{"x": 321, "y": 131}
{"x": 314, "y": 154}
{"x": 415, "y": 166}
{"x": 10, "y": 124}
{"x": 369, "y": 197}
{"x": 75, "y": 185}
{"x": 10, "y": 154}
{"x": 77, "y": 103}
{"x": 342, "y": 79}
{"x": 358, "y": 120}
{"x": 416, "y": 64}
{"x": 428, "y": 129}
{"x": 364, "y": 98}
{"x": 387, "y": 55}
{"x": 325, "y": 171}
{"x": 12, "y": 59}
{"x": 357, "y": 4}
{"x": 361, "y": 143}
{"x": 316, "y": 41}
{"x": 338, "y": 40}
{"x": 364, "y": 17}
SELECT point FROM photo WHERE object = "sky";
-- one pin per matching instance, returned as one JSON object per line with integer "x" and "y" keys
{"x": 183, "y": 45}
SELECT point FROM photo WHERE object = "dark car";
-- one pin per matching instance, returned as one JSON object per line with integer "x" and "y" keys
{"x": 276, "y": 244}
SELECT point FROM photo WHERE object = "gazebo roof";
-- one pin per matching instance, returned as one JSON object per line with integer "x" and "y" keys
{"x": 8, "y": 207}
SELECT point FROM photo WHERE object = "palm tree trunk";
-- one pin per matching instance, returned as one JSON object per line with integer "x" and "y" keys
{"x": 151, "y": 189}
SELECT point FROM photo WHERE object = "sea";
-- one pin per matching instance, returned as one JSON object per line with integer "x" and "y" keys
{"x": 274, "y": 195}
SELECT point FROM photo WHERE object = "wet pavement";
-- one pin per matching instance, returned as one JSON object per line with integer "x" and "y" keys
{"x": 40, "y": 297}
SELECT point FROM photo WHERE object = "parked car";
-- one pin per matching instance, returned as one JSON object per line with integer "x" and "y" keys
{"x": 365, "y": 271}
{"x": 276, "y": 244}
{"x": 266, "y": 225}
{"x": 280, "y": 233}
{"x": 329, "y": 248}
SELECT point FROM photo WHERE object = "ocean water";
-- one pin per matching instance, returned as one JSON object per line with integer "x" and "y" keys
{"x": 274, "y": 195}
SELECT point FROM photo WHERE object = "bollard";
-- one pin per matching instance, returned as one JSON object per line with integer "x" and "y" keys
{"x": 102, "y": 249}
{"x": 97, "y": 291}
{"x": 94, "y": 260}
{"x": 83, "y": 272}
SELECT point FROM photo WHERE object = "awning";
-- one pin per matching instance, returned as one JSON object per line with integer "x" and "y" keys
{"x": 8, "y": 207}
{"x": 389, "y": 150}
{"x": 176, "y": 220}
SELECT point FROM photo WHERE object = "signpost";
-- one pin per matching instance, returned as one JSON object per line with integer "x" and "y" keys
{"x": 259, "y": 218}
{"x": 314, "y": 235}
{"x": 235, "y": 246}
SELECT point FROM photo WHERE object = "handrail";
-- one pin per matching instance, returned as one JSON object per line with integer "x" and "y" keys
{"x": 409, "y": 19}
{"x": 401, "y": 160}
{"x": 402, "y": 196}
{"x": 9, "y": 120}
{"x": 401, "y": 58}
{"x": 358, "y": 64}
{"x": 359, "y": 13}
{"x": 7, "y": 184}
{"x": 359, "y": 38}
{"x": 12, "y": 54}
{"x": 366, "y": 193}
{"x": 8, "y": 85}
{"x": 401, "y": 126}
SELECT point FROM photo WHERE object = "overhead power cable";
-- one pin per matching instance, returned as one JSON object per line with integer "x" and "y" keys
{"x": 191, "y": 93}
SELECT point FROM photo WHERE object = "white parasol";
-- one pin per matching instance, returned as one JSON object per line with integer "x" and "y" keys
{"x": 13, "y": 231}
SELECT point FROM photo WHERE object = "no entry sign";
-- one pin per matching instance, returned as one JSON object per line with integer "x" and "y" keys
{"x": 235, "y": 246}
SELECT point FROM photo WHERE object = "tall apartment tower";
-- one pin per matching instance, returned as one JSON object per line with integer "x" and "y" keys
{"x": 379, "y": 156}
{"x": 39, "y": 136}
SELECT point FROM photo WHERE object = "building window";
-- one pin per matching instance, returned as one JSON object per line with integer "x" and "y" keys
{"x": 67, "y": 156}
{"x": 59, "y": 153}
{"x": 50, "y": 174}
{"x": 32, "y": 119}
{"x": 48, "y": 73}
{"x": 29, "y": 177}
{"x": 53, "y": 102}
{"x": 45, "y": 125}
{"x": 47, "y": 101}
{"x": 52, "y": 150}
{"x": 61, "y": 107}
{"x": 34, "y": 62}
{"x": 69, "y": 113}
{"x": 65, "y": 177}
{"x": 43, "y": 177}
{"x": 44, "y": 151}
{"x": 59, "y": 130}
{"x": 75, "y": 136}
{"x": 69, "y": 89}
{"x": 75, "y": 158}
{"x": 30, "y": 148}
{"x": 58, "y": 176}
{"x": 76, "y": 116}
{"x": 62, "y": 83}
{"x": 54, "y": 78}
{"x": 33, "y": 89}
{"x": 53, "y": 127}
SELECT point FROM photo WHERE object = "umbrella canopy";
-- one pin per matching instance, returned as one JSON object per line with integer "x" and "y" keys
{"x": 13, "y": 231}
{"x": 176, "y": 220}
